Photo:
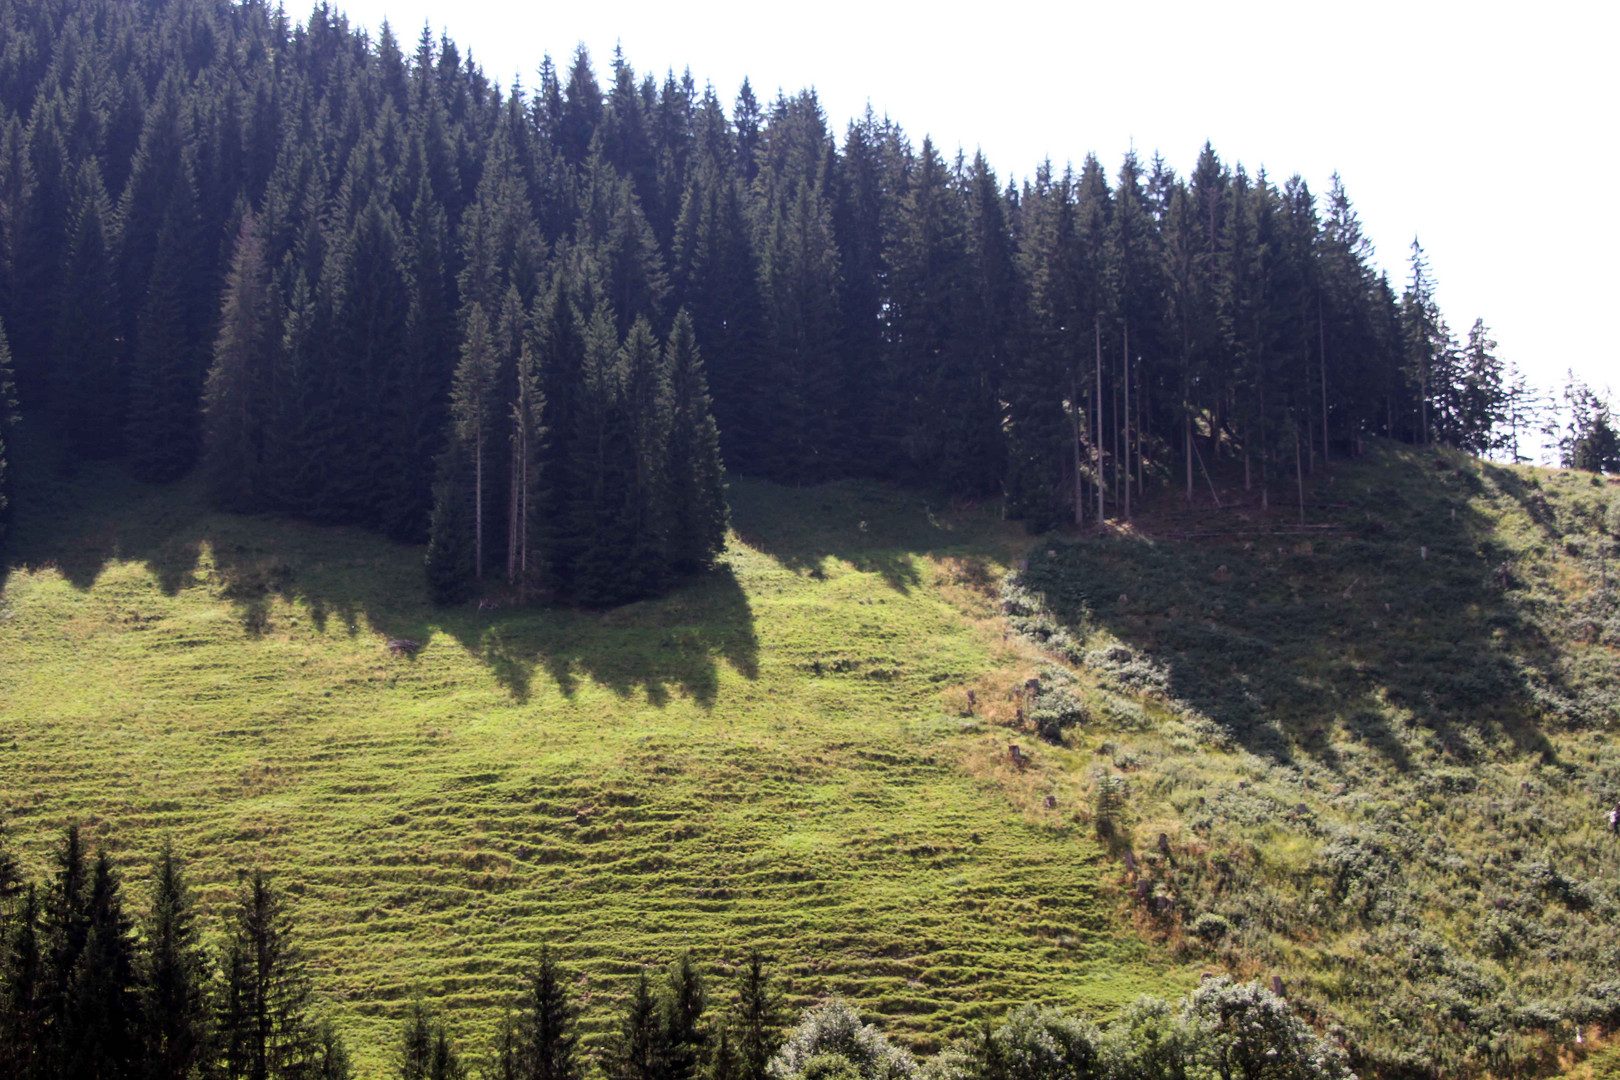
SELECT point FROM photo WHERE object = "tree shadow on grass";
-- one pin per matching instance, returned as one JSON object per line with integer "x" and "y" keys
{"x": 347, "y": 581}
{"x": 876, "y": 528}
{"x": 1396, "y": 622}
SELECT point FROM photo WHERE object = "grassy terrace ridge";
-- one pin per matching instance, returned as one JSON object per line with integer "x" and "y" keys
{"x": 764, "y": 757}
{"x": 1381, "y": 748}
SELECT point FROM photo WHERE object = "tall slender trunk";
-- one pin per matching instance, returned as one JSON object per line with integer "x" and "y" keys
{"x": 478, "y": 505}
{"x": 1075, "y": 412}
{"x": 1097, "y": 435}
{"x": 513, "y": 499}
{"x": 1321, "y": 334}
{"x": 1299, "y": 473}
{"x": 1127, "y": 472}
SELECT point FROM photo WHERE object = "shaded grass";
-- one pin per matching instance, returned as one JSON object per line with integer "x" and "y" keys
{"x": 759, "y": 759}
{"x": 1381, "y": 751}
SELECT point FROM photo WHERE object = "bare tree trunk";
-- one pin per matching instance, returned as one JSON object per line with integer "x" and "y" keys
{"x": 1299, "y": 473}
{"x": 1127, "y": 471}
{"x": 1187, "y": 442}
{"x": 512, "y": 501}
{"x": 1321, "y": 333}
{"x": 478, "y": 508}
{"x": 1074, "y": 426}
{"x": 1097, "y": 435}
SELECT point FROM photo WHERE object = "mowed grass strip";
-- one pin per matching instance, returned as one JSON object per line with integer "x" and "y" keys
{"x": 760, "y": 759}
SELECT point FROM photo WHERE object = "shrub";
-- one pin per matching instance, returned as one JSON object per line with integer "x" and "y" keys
{"x": 831, "y": 1043}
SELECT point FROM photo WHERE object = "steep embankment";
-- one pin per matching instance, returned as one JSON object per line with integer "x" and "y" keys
{"x": 759, "y": 759}
{"x": 1380, "y": 749}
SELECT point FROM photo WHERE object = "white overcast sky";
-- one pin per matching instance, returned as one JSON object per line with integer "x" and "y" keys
{"x": 1487, "y": 130}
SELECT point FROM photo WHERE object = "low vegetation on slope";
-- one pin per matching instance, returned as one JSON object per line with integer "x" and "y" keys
{"x": 757, "y": 760}
{"x": 1374, "y": 756}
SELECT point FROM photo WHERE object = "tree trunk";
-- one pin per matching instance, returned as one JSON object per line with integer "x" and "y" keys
{"x": 478, "y": 508}
{"x": 1299, "y": 473}
{"x": 1097, "y": 435}
{"x": 1127, "y": 470}
{"x": 1321, "y": 332}
{"x": 1079, "y": 480}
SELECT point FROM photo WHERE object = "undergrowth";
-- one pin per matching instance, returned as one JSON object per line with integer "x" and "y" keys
{"x": 1373, "y": 757}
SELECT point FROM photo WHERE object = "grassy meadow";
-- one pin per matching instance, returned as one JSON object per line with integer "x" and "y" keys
{"x": 1381, "y": 748}
{"x": 771, "y": 756}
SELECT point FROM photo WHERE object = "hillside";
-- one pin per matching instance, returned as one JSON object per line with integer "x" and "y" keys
{"x": 1380, "y": 748}
{"x": 759, "y": 759}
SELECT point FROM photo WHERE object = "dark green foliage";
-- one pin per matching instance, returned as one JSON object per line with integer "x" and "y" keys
{"x": 686, "y": 1039}
{"x": 103, "y": 1032}
{"x": 265, "y": 1031}
{"x": 166, "y": 367}
{"x": 758, "y": 1019}
{"x": 237, "y": 396}
{"x": 426, "y": 1052}
{"x": 697, "y": 496}
{"x": 868, "y": 309}
{"x": 639, "y": 1046}
{"x": 86, "y": 350}
{"x": 543, "y": 1044}
{"x": 175, "y": 1025}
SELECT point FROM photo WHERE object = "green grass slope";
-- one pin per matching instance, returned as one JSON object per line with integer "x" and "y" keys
{"x": 1381, "y": 747}
{"x": 760, "y": 759}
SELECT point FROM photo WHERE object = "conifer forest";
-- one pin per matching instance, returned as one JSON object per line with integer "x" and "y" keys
{"x": 363, "y": 285}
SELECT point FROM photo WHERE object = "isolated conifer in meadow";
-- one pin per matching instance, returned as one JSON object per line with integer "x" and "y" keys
{"x": 175, "y": 1026}
{"x": 697, "y": 498}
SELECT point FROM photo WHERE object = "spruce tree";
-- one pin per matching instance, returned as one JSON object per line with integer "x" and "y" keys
{"x": 373, "y": 479}
{"x": 104, "y": 1010}
{"x": 236, "y": 395}
{"x": 604, "y": 505}
{"x": 546, "y": 1040}
{"x": 685, "y": 1037}
{"x": 24, "y": 998}
{"x": 88, "y": 390}
{"x": 164, "y": 379}
{"x": 417, "y": 412}
{"x": 65, "y": 929}
{"x": 472, "y": 411}
{"x": 525, "y": 560}
{"x": 698, "y": 515}
{"x": 175, "y": 1025}
{"x": 264, "y": 1030}
{"x": 639, "y": 1047}
{"x": 759, "y": 1025}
